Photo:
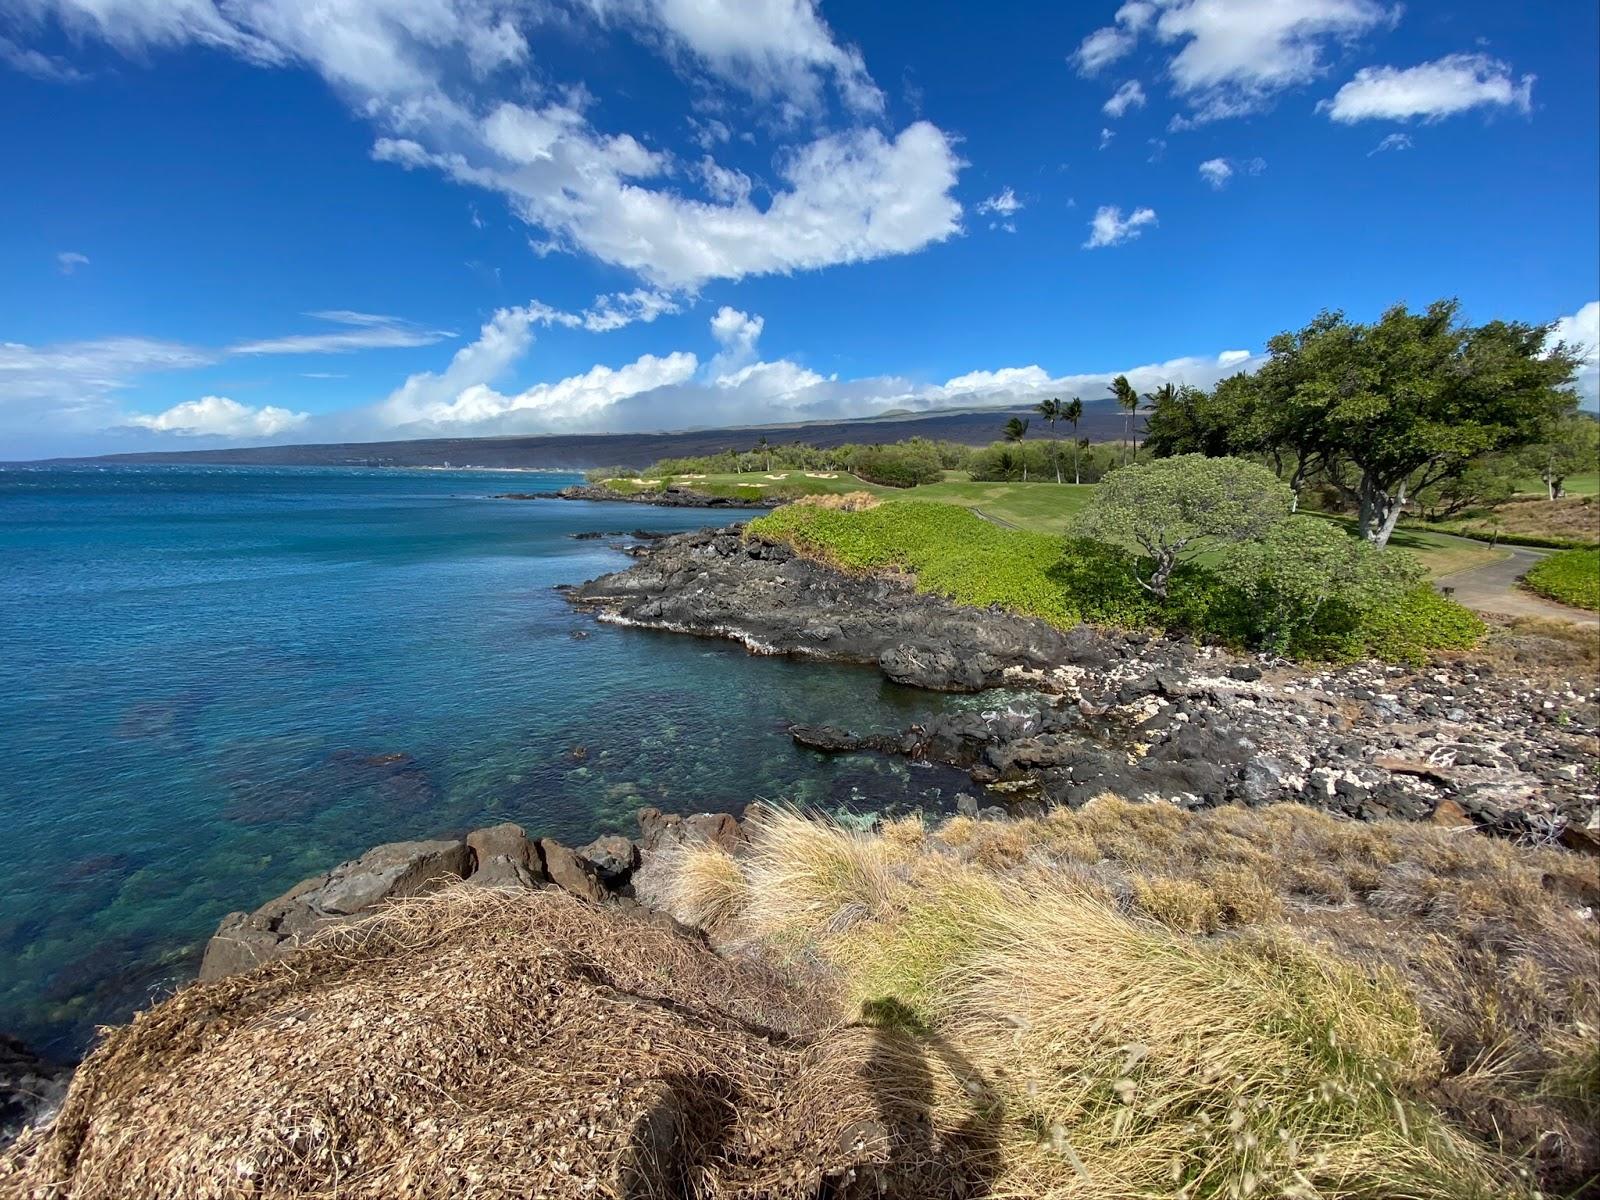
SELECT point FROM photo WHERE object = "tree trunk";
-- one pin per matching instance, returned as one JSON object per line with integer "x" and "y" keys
{"x": 1055, "y": 450}
{"x": 1165, "y": 562}
{"x": 1296, "y": 482}
{"x": 1380, "y": 510}
{"x": 1077, "y": 473}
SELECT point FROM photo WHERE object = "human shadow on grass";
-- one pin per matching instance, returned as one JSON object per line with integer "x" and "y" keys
{"x": 922, "y": 1160}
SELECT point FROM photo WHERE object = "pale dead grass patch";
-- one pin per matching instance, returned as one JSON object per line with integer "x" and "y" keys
{"x": 1400, "y": 1009}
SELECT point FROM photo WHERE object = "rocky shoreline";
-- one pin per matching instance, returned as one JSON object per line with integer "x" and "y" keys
{"x": 1144, "y": 717}
{"x": 672, "y": 497}
{"x": 1083, "y": 712}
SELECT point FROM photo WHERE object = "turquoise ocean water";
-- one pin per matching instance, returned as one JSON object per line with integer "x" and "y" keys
{"x": 217, "y": 681}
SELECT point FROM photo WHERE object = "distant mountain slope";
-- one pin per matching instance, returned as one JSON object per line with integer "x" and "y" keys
{"x": 974, "y": 427}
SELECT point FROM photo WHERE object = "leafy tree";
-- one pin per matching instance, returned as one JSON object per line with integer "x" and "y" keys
{"x": 1308, "y": 581}
{"x": 1488, "y": 480}
{"x": 1391, "y": 408}
{"x": 1052, "y": 411}
{"x": 1128, "y": 400}
{"x": 1016, "y": 429}
{"x": 1571, "y": 445}
{"x": 1177, "y": 506}
{"x": 1073, "y": 413}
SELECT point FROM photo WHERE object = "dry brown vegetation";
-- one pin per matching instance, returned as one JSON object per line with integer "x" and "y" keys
{"x": 1220, "y": 1003}
{"x": 1559, "y": 652}
{"x": 1126, "y": 1000}
{"x": 1574, "y": 517}
{"x": 840, "y": 501}
{"x": 491, "y": 1044}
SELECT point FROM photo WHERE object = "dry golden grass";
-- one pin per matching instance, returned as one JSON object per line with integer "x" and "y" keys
{"x": 1557, "y": 651}
{"x": 491, "y": 1044}
{"x": 842, "y": 501}
{"x": 1222, "y": 1003}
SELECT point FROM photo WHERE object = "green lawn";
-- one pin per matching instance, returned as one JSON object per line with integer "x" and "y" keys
{"x": 1586, "y": 483}
{"x": 1040, "y": 507}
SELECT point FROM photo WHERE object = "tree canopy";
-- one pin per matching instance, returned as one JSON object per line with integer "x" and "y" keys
{"x": 1382, "y": 411}
{"x": 1174, "y": 506}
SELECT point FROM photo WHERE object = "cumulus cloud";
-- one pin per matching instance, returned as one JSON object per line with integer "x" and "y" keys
{"x": 1110, "y": 228}
{"x": 736, "y": 333}
{"x": 218, "y": 416}
{"x": 69, "y": 261}
{"x": 1233, "y": 56}
{"x": 434, "y": 79}
{"x": 1581, "y": 332}
{"x": 675, "y": 391}
{"x": 1129, "y": 95}
{"x": 1431, "y": 91}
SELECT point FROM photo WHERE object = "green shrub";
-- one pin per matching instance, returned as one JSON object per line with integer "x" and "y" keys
{"x": 1572, "y": 577}
{"x": 903, "y": 465}
{"x": 1307, "y": 586}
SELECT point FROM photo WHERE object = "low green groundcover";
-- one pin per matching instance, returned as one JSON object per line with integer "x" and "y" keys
{"x": 1572, "y": 577}
{"x": 952, "y": 552}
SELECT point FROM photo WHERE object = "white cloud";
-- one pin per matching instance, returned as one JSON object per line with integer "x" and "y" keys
{"x": 1129, "y": 95}
{"x": 624, "y": 308}
{"x": 736, "y": 334}
{"x": 770, "y": 48}
{"x": 1233, "y": 56}
{"x": 1106, "y": 136}
{"x": 1431, "y": 91}
{"x": 1218, "y": 171}
{"x": 1110, "y": 228}
{"x": 70, "y": 387}
{"x": 37, "y": 64}
{"x": 501, "y": 342}
{"x": 432, "y": 77}
{"x": 363, "y": 331}
{"x": 1106, "y": 46}
{"x": 218, "y": 416}
{"x": 69, "y": 261}
{"x": 1581, "y": 332}
{"x": 850, "y": 197}
{"x": 1003, "y": 206}
{"x": 1004, "y": 203}
{"x": 1394, "y": 141}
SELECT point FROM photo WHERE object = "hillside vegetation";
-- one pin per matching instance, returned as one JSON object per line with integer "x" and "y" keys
{"x": 952, "y": 552}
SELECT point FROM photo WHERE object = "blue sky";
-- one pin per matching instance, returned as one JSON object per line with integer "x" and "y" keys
{"x": 234, "y": 221}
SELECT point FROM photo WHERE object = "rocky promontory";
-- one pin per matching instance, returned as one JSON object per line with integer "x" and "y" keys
{"x": 1091, "y": 711}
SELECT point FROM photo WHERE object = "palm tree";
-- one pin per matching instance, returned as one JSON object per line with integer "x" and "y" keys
{"x": 1167, "y": 395}
{"x": 765, "y": 452}
{"x": 1127, "y": 399}
{"x": 1016, "y": 429}
{"x": 1072, "y": 412}
{"x": 1052, "y": 411}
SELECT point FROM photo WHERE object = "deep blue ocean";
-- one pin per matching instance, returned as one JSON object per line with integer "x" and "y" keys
{"x": 217, "y": 681}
